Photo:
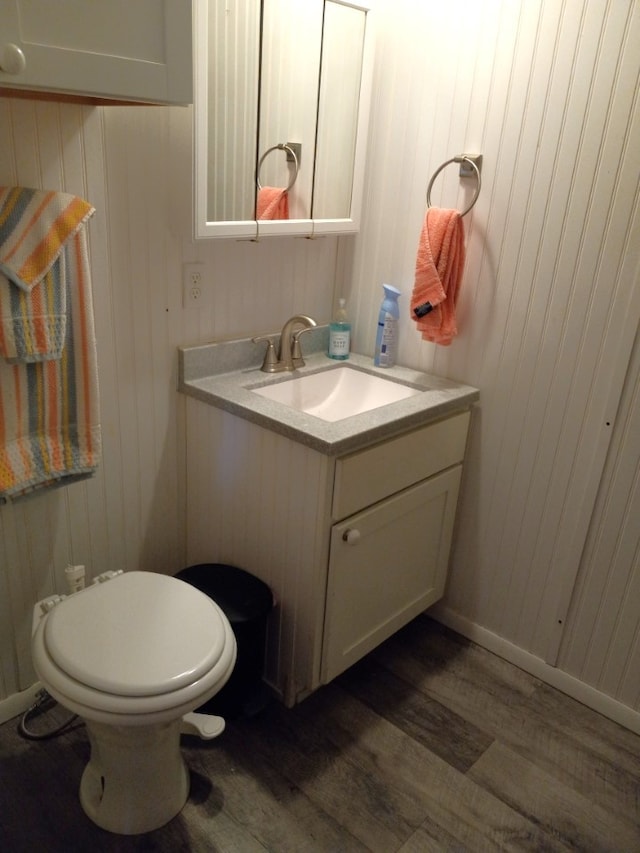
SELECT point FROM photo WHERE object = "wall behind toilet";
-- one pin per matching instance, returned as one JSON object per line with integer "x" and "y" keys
{"x": 134, "y": 165}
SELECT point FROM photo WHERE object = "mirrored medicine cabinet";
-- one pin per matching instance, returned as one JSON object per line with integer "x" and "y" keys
{"x": 282, "y": 90}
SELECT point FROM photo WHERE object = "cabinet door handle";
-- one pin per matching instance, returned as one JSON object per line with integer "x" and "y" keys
{"x": 12, "y": 59}
{"x": 351, "y": 536}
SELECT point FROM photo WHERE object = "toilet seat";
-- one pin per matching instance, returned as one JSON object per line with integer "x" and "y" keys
{"x": 139, "y": 644}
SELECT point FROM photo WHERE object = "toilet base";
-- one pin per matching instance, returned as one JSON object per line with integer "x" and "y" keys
{"x": 136, "y": 779}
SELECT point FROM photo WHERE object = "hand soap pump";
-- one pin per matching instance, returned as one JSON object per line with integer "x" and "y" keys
{"x": 340, "y": 334}
{"x": 387, "y": 335}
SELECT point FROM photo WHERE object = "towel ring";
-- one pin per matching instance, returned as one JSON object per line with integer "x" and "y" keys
{"x": 461, "y": 158}
{"x": 282, "y": 146}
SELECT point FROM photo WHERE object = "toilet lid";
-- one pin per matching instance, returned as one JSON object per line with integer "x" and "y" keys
{"x": 139, "y": 634}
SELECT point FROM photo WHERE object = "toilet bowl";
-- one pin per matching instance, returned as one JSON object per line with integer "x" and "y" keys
{"x": 132, "y": 656}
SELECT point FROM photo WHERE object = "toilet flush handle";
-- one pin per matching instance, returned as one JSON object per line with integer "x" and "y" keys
{"x": 351, "y": 536}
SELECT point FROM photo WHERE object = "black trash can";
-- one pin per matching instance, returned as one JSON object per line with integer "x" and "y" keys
{"x": 246, "y": 601}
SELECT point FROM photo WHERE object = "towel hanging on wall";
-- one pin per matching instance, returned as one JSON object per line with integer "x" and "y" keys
{"x": 439, "y": 267}
{"x": 49, "y": 414}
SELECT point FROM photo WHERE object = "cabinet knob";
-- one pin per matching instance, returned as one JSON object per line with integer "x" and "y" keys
{"x": 351, "y": 536}
{"x": 12, "y": 59}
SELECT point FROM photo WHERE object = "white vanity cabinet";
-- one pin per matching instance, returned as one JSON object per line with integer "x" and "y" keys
{"x": 105, "y": 49}
{"x": 389, "y": 556}
{"x": 353, "y": 546}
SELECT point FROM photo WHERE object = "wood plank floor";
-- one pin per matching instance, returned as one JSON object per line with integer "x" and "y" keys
{"x": 429, "y": 744}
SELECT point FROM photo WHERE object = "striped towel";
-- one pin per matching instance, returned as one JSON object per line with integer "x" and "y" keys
{"x": 35, "y": 226}
{"x": 49, "y": 414}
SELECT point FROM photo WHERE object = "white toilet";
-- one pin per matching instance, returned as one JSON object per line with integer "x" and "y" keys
{"x": 132, "y": 655}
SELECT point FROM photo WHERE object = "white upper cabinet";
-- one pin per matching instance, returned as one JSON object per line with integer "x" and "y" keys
{"x": 126, "y": 50}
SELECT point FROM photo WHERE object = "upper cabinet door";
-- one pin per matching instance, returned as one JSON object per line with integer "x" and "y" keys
{"x": 113, "y": 49}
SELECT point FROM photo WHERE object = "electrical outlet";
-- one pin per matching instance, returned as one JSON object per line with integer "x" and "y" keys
{"x": 195, "y": 292}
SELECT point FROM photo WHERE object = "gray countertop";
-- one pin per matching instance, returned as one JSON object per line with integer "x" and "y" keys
{"x": 223, "y": 374}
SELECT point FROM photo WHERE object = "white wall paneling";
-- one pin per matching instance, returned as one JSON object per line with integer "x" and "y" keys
{"x": 549, "y": 306}
{"x": 602, "y": 641}
{"x": 52, "y": 145}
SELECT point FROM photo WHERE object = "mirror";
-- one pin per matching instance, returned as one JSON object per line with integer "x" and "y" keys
{"x": 340, "y": 78}
{"x": 281, "y": 110}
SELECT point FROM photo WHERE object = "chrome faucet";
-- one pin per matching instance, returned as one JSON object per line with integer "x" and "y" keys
{"x": 289, "y": 352}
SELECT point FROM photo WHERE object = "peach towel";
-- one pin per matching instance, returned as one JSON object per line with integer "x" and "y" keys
{"x": 439, "y": 267}
{"x": 273, "y": 203}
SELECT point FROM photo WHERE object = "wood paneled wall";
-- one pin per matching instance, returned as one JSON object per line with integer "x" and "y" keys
{"x": 601, "y": 645}
{"x": 547, "y": 92}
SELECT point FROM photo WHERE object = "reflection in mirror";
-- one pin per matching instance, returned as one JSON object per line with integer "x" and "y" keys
{"x": 342, "y": 56}
{"x": 232, "y": 114}
{"x": 271, "y": 73}
{"x": 290, "y": 70}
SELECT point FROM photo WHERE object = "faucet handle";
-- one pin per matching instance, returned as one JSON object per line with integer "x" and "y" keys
{"x": 270, "y": 357}
{"x": 296, "y": 350}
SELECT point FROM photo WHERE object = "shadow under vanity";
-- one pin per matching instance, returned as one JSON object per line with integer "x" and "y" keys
{"x": 349, "y": 522}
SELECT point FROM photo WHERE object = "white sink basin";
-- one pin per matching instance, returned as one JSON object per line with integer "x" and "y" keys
{"x": 336, "y": 393}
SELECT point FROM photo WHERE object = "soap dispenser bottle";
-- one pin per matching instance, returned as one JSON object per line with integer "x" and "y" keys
{"x": 387, "y": 335}
{"x": 340, "y": 334}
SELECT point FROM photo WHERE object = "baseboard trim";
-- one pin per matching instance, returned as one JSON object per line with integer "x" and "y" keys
{"x": 589, "y": 696}
{"x": 18, "y": 703}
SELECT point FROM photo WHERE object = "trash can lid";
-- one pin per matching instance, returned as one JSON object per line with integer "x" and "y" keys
{"x": 240, "y": 595}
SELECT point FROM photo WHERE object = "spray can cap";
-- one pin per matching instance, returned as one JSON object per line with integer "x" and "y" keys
{"x": 391, "y": 291}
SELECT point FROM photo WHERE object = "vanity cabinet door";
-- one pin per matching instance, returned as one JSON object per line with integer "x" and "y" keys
{"x": 131, "y": 51}
{"x": 387, "y": 564}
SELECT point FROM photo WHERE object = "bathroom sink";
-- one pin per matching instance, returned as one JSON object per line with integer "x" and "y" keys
{"x": 336, "y": 393}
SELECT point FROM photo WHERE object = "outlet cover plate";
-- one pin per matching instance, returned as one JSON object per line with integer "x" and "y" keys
{"x": 196, "y": 290}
